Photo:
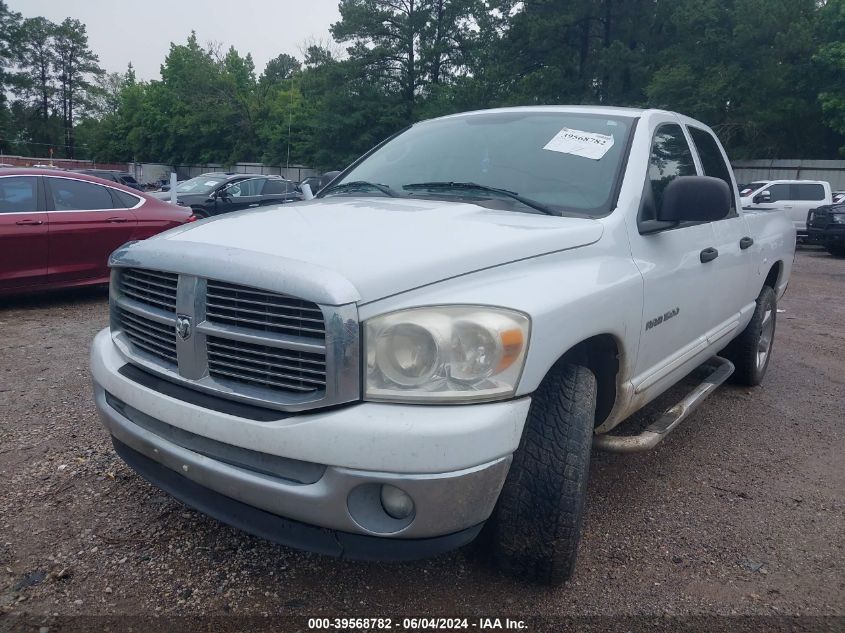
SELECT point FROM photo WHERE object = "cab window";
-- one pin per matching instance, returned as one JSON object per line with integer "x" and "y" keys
{"x": 670, "y": 157}
{"x": 807, "y": 191}
{"x": 711, "y": 158}
{"x": 780, "y": 191}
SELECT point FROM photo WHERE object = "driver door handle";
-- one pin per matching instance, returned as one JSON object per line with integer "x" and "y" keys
{"x": 745, "y": 242}
{"x": 116, "y": 220}
{"x": 708, "y": 255}
{"x": 29, "y": 222}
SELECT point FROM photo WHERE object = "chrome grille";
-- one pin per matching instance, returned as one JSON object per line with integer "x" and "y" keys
{"x": 152, "y": 288}
{"x": 150, "y": 336}
{"x": 258, "y": 346}
{"x": 230, "y": 304}
{"x": 266, "y": 366}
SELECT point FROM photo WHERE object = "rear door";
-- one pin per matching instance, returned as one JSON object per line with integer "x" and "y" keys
{"x": 805, "y": 196}
{"x": 23, "y": 232}
{"x": 733, "y": 267}
{"x": 87, "y": 222}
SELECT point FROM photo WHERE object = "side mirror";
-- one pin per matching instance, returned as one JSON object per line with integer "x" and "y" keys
{"x": 695, "y": 199}
{"x": 763, "y": 196}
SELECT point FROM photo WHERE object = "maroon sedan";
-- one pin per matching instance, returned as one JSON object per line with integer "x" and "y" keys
{"x": 58, "y": 228}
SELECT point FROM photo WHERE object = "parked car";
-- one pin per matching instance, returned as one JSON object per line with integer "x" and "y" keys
{"x": 122, "y": 177}
{"x": 826, "y": 226}
{"x": 796, "y": 197}
{"x": 215, "y": 193}
{"x": 58, "y": 228}
{"x": 433, "y": 344}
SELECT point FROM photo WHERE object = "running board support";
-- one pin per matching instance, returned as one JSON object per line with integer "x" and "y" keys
{"x": 718, "y": 368}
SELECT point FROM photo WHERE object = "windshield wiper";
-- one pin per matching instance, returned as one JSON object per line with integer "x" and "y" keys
{"x": 476, "y": 187}
{"x": 360, "y": 185}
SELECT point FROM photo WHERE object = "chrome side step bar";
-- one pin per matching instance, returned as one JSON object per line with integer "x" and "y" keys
{"x": 718, "y": 370}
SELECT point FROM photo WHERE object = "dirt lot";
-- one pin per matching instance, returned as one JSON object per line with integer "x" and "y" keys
{"x": 740, "y": 511}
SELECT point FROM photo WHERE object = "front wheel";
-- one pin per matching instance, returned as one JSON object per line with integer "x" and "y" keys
{"x": 837, "y": 250}
{"x": 536, "y": 526}
{"x": 751, "y": 351}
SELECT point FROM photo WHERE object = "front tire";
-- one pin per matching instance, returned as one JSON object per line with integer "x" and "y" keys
{"x": 751, "y": 351}
{"x": 536, "y": 526}
{"x": 836, "y": 250}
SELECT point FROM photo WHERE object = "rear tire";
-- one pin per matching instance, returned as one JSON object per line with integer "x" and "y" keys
{"x": 751, "y": 351}
{"x": 536, "y": 526}
{"x": 200, "y": 214}
{"x": 836, "y": 251}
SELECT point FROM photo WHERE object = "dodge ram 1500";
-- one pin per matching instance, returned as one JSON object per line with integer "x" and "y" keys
{"x": 432, "y": 346}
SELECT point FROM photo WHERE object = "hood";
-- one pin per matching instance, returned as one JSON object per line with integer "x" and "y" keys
{"x": 378, "y": 246}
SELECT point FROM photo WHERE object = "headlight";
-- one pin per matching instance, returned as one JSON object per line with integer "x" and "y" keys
{"x": 837, "y": 218}
{"x": 445, "y": 354}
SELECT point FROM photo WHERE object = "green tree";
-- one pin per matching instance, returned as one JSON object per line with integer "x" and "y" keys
{"x": 36, "y": 58}
{"x": 830, "y": 58}
{"x": 9, "y": 42}
{"x": 77, "y": 66}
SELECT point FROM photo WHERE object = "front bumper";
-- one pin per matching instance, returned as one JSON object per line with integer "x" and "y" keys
{"x": 452, "y": 461}
{"x": 831, "y": 234}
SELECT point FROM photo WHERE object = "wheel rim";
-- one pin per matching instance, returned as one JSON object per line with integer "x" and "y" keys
{"x": 764, "y": 343}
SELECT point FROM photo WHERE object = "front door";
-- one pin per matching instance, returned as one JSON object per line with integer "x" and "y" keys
{"x": 678, "y": 287}
{"x": 24, "y": 227}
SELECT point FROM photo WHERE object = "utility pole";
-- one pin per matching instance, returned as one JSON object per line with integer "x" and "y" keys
{"x": 290, "y": 120}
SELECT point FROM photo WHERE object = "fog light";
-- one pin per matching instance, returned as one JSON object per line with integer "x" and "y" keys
{"x": 396, "y": 502}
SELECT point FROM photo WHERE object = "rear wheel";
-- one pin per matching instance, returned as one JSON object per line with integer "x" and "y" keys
{"x": 751, "y": 351}
{"x": 200, "y": 214}
{"x": 535, "y": 529}
{"x": 837, "y": 250}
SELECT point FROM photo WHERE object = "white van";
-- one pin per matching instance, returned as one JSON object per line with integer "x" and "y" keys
{"x": 796, "y": 197}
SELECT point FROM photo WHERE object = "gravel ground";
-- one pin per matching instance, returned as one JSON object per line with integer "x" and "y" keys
{"x": 739, "y": 511}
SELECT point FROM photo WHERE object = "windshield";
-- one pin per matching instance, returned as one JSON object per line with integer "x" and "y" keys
{"x": 200, "y": 184}
{"x": 560, "y": 160}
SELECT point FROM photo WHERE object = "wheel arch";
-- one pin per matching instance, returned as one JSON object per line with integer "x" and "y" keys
{"x": 601, "y": 355}
{"x": 773, "y": 277}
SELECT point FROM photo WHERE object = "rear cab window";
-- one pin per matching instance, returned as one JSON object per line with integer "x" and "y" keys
{"x": 712, "y": 161}
{"x": 807, "y": 191}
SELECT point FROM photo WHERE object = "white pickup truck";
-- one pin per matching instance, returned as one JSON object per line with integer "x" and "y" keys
{"x": 433, "y": 345}
{"x": 796, "y": 197}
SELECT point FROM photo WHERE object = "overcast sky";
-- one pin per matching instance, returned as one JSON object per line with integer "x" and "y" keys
{"x": 141, "y": 32}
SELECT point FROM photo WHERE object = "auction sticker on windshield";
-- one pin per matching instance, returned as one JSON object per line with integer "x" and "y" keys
{"x": 578, "y": 143}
